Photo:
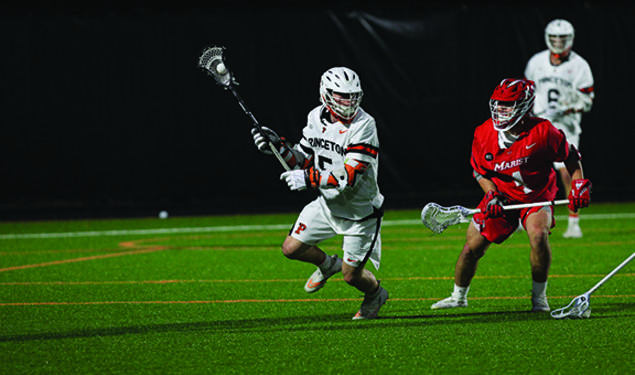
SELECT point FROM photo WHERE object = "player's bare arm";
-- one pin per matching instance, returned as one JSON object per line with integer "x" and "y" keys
{"x": 573, "y": 164}
{"x": 486, "y": 184}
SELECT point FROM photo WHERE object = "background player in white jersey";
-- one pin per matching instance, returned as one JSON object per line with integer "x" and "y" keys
{"x": 564, "y": 89}
{"x": 338, "y": 157}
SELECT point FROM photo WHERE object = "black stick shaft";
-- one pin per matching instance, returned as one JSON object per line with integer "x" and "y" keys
{"x": 242, "y": 104}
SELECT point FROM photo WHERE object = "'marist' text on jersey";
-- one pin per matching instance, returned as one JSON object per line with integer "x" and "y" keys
{"x": 327, "y": 145}
{"x": 504, "y": 165}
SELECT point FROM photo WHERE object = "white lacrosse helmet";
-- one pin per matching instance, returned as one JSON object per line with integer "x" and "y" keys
{"x": 341, "y": 92}
{"x": 559, "y": 36}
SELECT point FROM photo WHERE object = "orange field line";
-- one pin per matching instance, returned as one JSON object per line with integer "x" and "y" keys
{"x": 275, "y": 300}
{"x": 412, "y": 278}
{"x": 83, "y": 259}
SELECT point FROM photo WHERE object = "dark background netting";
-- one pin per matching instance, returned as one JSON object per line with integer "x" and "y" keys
{"x": 104, "y": 112}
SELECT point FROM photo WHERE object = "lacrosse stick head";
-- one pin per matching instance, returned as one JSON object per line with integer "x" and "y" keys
{"x": 437, "y": 218}
{"x": 578, "y": 308}
{"x": 212, "y": 61}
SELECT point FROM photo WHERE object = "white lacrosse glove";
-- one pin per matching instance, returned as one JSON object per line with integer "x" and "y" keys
{"x": 295, "y": 179}
{"x": 261, "y": 142}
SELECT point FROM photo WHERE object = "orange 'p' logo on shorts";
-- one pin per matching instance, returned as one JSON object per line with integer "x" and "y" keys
{"x": 301, "y": 227}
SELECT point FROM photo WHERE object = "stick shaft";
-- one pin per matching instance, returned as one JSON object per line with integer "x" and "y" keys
{"x": 599, "y": 284}
{"x": 255, "y": 122}
{"x": 242, "y": 104}
{"x": 528, "y": 205}
{"x": 536, "y": 204}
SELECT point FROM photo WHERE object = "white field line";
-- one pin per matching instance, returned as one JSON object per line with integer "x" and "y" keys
{"x": 239, "y": 228}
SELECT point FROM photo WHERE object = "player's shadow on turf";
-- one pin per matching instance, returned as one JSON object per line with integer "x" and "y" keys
{"x": 490, "y": 316}
{"x": 327, "y": 322}
{"x": 219, "y": 326}
{"x": 603, "y": 311}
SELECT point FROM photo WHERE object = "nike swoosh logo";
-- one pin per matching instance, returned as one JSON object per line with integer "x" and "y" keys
{"x": 530, "y": 146}
{"x": 312, "y": 284}
{"x": 343, "y": 131}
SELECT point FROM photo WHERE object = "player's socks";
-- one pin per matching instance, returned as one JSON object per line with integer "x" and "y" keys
{"x": 460, "y": 292}
{"x": 573, "y": 229}
{"x": 326, "y": 264}
{"x": 539, "y": 301}
{"x": 538, "y": 289}
{"x": 574, "y": 220}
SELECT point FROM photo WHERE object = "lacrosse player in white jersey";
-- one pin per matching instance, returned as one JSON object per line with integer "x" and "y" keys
{"x": 338, "y": 158}
{"x": 564, "y": 90}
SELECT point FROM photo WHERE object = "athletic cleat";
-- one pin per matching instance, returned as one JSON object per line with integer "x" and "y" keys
{"x": 539, "y": 304}
{"x": 573, "y": 231}
{"x": 449, "y": 303}
{"x": 371, "y": 304}
{"x": 318, "y": 278}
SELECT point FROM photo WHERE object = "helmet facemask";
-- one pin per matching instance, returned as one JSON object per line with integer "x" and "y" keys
{"x": 343, "y": 105}
{"x": 341, "y": 93}
{"x": 511, "y": 102}
{"x": 559, "y": 36}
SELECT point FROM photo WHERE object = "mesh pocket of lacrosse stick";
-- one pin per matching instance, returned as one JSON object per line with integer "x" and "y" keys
{"x": 578, "y": 308}
{"x": 437, "y": 218}
{"x": 213, "y": 63}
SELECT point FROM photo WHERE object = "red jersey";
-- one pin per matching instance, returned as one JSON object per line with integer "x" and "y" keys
{"x": 523, "y": 172}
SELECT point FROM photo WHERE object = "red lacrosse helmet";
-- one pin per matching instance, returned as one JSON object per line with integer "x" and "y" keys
{"x": 511, "y": 102}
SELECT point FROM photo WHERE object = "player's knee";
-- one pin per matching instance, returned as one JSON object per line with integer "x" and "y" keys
{"x": 290, "y": 249}
{"x": 287, "y": 252}
{"x": 538, "y": 236}
{"x": 539, "y": 240}
{"x": 473, "y": 253}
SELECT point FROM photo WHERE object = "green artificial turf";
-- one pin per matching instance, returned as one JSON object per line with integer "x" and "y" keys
{"x": 215, "y": 295}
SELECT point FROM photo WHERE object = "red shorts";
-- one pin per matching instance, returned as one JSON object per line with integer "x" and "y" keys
{"x": 499, "y": 229}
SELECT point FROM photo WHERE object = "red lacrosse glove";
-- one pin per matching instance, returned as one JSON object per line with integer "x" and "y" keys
{"x": 580, "y": 194}
{"x": 492, "y": 204}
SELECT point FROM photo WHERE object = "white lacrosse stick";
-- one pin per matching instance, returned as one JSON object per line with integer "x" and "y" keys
{"x": 580, "y": 305}
{"x": 437, "y": 218}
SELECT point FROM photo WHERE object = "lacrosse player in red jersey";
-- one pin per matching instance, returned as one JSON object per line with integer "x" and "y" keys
{"x": 564, "y": 90}
{"x": 338, "y": 158}
{"x": 512, "y": 158}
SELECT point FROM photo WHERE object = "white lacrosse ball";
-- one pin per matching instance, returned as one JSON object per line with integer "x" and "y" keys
{"x": 221, "y": 69}
{"x": 163, "y": 215}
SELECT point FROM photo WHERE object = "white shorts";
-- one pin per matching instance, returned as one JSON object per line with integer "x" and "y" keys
{"x": 573, "y": 139}
{"x": 362, "y": 239}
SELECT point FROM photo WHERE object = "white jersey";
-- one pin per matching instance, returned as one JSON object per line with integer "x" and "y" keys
{"x": 558, "y": 88}
{"x": 331, "y": 144}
